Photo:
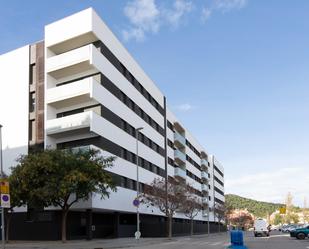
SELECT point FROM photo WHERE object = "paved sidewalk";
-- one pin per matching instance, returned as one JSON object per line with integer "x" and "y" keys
{"x": 110, "y": 243}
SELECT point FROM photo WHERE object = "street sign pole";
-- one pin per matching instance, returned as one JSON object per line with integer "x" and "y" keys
{"x": 138, "y": 232}
{"x": 2, "y": 175}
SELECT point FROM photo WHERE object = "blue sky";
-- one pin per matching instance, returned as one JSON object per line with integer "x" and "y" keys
{"x": 235, "y": 72}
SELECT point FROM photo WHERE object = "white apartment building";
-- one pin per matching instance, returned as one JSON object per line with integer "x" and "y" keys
{"x": 81, "y": 87}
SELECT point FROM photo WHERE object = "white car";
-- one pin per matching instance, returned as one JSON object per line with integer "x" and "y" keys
{"x": 261, "y": 227}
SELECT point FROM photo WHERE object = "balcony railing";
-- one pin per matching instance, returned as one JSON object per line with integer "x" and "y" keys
{"x": 204, "y": 187}
{"x": 68, "y": 123}
{"x": 72, "y": 62}
{"x": 204, "y": 162}
{"x": 179, "y": 156}
{"x": 180, "y": 172}
{"x": 204, "y": 199}
{"x": 204, "y": 175}
{"x": 179, "y": 139}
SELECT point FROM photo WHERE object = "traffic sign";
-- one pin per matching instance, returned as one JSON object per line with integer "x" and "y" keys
{"x": 4, "y": 186}
{"x": 282, "y": 210}
{"x": 136, "y": 202}
{"x": 5, "y": 201}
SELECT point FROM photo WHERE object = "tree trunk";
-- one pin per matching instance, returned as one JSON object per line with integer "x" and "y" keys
{"x": 191, "y": 227}
{"x": 219, "y": 225}
{"x": 170, "y": 222}
{"x": 64, "y": 225}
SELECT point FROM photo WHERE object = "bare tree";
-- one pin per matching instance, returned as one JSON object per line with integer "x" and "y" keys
{"x": 305, "y": 211}
{"x": 191, "y": 206}
{"x": 219, "y": 211}
{"x": 167, "y": 196}
{"x": 289, "y": 206}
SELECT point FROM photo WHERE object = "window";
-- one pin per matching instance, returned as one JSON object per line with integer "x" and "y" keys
{"x": 131, "y": 78}
{"x": 123, "y": 97}
{"x": 131, "y": 104}
{"x": 32, "y": 79}
{"x": 32, "y": 102}
{"x": 123, "y": 69}
{"x": 129, "y": 183}
{"x": 32, "y": 130}
{"x": 123, "y": 153}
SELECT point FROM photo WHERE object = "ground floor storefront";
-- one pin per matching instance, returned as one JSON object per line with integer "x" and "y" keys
{"x": 89, "y": 224}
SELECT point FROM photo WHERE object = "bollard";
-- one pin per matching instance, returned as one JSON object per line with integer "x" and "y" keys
{"x": 237, "y": 240}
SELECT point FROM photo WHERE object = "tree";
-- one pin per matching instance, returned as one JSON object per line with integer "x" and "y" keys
{"x": 191, "y": 206}
{"x": 289, "y": 206}
{"x": 219, "y": 211}
{"x": 17, "y": 194}
{"x": 61, "y": 178}
{"x": 278, "y": 219}
{"x": 294, "y": 218}
{"x": 228, "y": 211}
{"x": 257, "y": 208}
{"x": 167, "y": 196}
{"x": 241, "y": 219}
{"x": 305, "y": 211}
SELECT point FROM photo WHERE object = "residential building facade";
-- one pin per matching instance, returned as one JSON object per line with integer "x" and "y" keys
{"x": 80, "y": 88}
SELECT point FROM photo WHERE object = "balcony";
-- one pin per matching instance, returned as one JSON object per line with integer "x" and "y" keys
{"x": 71, "y": 62}
{"x": 204, "y": 162}
{"x": 72, "y": 123}
{"x": 180, "y": 157}
{"x": 180, "y": 172}
{"x": 204, "y": 175}
{"x": 204, "y": 187}
{"x": 73, "y": 93}
{"x": 178, "y": 127}
{"x": 204, "y": 199}
{"x": 179, "y": 140}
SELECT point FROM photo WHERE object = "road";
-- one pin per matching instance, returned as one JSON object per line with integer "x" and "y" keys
{"x": 275, "y": 241}
{"x": 214, "y": 241}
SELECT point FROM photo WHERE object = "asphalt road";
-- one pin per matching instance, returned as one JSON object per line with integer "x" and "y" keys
{"x": 276, "y": 240}
{"x": 214, "y": 241}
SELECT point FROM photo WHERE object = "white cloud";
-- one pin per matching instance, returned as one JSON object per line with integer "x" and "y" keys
{"x": 180, "y": 8}
{"x": 222, "y": 6}
{"x": 145, "y": 16}
{"x": 206, "y": 13}
{"x": 134, "y": 33}
{"x": 271, "y": 185}
{"x": 228, "y": 5}
{"x": 185, "y": 107}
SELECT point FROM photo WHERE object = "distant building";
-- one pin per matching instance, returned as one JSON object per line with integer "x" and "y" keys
{"x": 80, "y": 87}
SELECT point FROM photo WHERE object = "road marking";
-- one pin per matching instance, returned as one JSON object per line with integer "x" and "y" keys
{"x": 280, "y": 235}
{"x": 216, "y": 243}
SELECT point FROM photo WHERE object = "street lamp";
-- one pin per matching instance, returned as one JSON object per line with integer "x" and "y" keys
{"x": 138, "y": 233}
{"x": 2, "y": 175}
{"x": 208, "y": 213}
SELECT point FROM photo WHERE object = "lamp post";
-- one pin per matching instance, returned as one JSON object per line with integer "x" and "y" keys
{"x": 2, "y": 175}
{"x": 208, "y": 225}
{"x": 138, "y": 233}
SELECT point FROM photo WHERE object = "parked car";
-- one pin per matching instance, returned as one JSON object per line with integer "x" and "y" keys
{"x": 260, "y": 227}
{"x": 300, "y": 233}
{"x": 288, "y": 228}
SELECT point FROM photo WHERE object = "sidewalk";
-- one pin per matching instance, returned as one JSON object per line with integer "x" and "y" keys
{"x": 102, "y": 243}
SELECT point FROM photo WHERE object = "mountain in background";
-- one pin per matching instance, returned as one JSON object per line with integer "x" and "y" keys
{"x": 257, "y": 208}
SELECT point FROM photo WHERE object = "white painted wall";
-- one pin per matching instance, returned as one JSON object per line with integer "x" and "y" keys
{"x": 82, "y": 28}
{"x": 14, "y": 104}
